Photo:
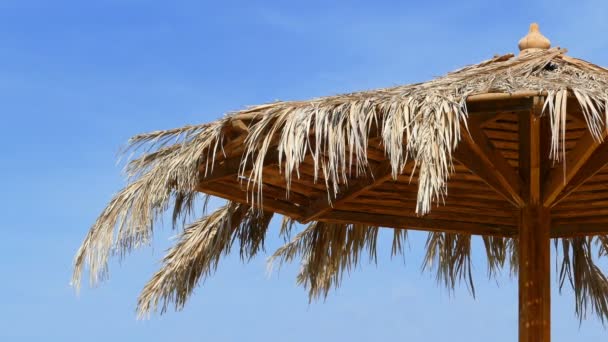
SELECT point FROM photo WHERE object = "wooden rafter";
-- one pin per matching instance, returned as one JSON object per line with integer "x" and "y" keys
{"x": 477, "y": 153}
{"x": 531, "y": 155}
{"x": 566, "y": 176}
{"x": 419, "y": 223}
{"x": 597, "y": 161}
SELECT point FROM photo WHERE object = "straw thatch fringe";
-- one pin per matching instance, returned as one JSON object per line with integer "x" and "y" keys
{"x": 170, "y": 173}
{"x": 198, "y": 251}
{"x": 334, "y": 131}
{"x": 501, "y": 252}
{"x": 420, "y": 123}
{"x": 589, "y": 283}
{"x": 450, "y": 254}
{"x": 327, "y": 251}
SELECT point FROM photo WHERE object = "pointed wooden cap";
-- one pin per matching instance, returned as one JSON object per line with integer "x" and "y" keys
{"x": 534, "y": 41}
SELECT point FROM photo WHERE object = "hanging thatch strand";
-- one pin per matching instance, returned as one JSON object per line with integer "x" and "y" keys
{"x": 588, "y": 282}
{"x": 501, "y": 252}
{"x": 198, "y": 250}
{"x": 452, "y": 255}
{"x": 420, "y": 123}
{"x": 327, "y": 250}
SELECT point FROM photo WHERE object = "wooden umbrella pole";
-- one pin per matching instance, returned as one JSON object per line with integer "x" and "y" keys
{"x": 534, "y": 275}
{"x": 534, "y": 233}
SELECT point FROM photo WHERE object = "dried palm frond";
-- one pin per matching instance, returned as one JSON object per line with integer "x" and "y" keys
{"x": 198, "y": 251}
{"x": 588, "y": 282}
{"x": 327, "y": 251}
{"x": 334, "y": 131}
{"x": 450, "y": 254}
{"x": 420, "y": 123}
{"x": 159, "y": 177}
{"x": 500, "y": 252}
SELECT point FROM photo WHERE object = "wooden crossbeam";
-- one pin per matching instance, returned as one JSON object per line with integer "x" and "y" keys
{"x": 477, "y": 153}
{"x": 533, "y": 149}
{"x": 566, "y": 176}
{"x": 419, "y": 223}
{"x": 597, "y": 161}
{"x": 498, "y": 106}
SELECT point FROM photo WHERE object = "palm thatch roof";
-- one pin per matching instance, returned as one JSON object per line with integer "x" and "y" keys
{"x": 404, "y": 157}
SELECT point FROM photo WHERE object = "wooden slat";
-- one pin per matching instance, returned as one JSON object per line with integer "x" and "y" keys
{"x": 514, "y": 146}
{"x": 302, "y": 184}
{"x": 597, "y": 161}
{"x": 229, "y": 168}
{"x": 580, "y": 205}
{"x": 453, "y": 200}
{"x": 570, "y": 230}
{"x": 582, "y": 211}
{"x": 321, "y": 205}
{"x": 417, "y": 223}
{"x": 502, "y": 125}
{"x": 580, "y": 196}
{"x": 478, "y": 154}
{"x": 575, "y": 160}
{"x": 511, "y": 135}
{"x": 463, "y": 215}
{"x": 402, "y": 186}
{"x": 581, "y": 220}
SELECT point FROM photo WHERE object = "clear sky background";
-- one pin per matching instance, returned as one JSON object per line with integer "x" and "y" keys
{"x": 78, "y": 78}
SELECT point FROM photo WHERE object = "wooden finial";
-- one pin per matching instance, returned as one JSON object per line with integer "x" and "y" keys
{"x": 534, "y": 41}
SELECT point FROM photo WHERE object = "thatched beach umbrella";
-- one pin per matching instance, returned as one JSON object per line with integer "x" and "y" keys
{"x": 512, "y": 150}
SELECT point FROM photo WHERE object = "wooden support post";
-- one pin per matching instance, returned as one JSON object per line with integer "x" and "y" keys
{"x": 534, "y": 275}
{"x": 534, "y": 232}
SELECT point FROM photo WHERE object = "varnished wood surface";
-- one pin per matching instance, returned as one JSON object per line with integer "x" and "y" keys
{"x": 534, "y": 231}
{"x": 485, "y": 188}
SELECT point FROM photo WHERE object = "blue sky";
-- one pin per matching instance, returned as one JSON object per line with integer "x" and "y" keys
{"x": 77, "y": 78}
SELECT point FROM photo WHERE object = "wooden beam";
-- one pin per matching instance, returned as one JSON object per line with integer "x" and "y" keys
{"x": 570, "y": 230}
{"x": 563, "y": 179}
{"x": 530, "y": 155}
{"x": 477, "y": 153}
{"x": 534, "y": 233}
{"x": 504, "y": 96}
{"x": 418, "y": 223}
{"x": 480, "y": 108}
{"x": 222, "y": 169}
{"x": 534, "y": 275}
{"x": 581, "y": 211}
{"x": 322, "y": 204}
{"x": 462, "y": 214}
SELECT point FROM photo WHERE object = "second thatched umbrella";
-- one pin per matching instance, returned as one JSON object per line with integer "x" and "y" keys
{"x": 512, "y": 149}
